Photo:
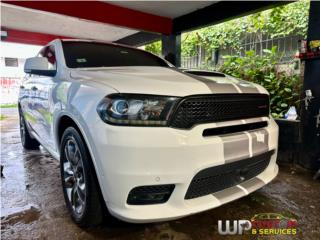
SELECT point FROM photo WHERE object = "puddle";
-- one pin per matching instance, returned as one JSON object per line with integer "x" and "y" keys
{"x": 24, "y": 215}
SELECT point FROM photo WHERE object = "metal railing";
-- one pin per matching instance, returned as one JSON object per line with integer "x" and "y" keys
{"x": 286, "y": 47}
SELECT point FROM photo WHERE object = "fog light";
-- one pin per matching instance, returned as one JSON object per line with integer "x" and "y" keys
{"x": 150, "y": 194}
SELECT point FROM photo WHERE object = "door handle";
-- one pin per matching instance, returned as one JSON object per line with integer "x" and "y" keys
{"x": 34, "y": 88}
{"x": 21, "y": 87}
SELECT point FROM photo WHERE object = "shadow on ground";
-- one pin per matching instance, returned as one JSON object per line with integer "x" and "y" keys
{"x": 32, "y": 205}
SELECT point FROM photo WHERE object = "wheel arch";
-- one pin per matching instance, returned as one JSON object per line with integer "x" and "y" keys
{"x": 65, "y": 121}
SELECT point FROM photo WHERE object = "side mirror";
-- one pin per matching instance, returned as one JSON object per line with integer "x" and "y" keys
{"x": 38, "y": 66}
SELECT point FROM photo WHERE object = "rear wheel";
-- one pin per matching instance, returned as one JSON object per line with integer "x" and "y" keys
{"x": 27, "y": 141}
{"x": 80, "y": 187}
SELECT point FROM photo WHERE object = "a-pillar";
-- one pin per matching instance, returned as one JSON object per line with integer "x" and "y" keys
{"x": 171, "y": 48}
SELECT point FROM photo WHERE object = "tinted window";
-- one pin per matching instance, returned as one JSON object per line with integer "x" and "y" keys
{"x": 88, "y": 54}
{"x": 275, "y": 216}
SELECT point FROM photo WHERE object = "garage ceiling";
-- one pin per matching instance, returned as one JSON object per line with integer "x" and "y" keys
{"x": 130, "y": 22}
{"x": 99, "y": 20}
{"x": 25, "y": 19}
{"x": 170, "y": 9}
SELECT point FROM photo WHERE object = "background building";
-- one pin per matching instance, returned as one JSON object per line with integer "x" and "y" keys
{"x": 13, "y": 56}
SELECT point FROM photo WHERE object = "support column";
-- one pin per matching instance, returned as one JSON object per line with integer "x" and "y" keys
{"x": 310, "y": 128}
{"x": 171, "y": 48}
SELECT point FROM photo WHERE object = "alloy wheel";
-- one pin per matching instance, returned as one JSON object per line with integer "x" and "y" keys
{"x": 73, "y": 176}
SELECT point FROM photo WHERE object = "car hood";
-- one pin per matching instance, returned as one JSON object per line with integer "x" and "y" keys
{"x": 162, "y": 81}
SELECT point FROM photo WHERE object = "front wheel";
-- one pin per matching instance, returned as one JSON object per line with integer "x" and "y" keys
{"x": 80, "y": 187}
{"x": 27, "y": 141}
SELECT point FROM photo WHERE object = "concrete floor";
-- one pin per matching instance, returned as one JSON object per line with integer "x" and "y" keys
{"x": 32, "y": 205}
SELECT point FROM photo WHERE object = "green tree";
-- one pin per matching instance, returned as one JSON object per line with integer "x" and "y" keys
{"x": 277, "y": 22}
{"x": 283, "y": 87}
{"x": 154, "y": 47}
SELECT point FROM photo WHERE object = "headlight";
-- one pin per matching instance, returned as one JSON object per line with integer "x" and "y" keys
{"x": 136, "y": 109}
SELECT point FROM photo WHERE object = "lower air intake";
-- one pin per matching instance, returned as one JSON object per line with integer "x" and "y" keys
{"x": 150, "y": 194}
{"x": 217, "y": 178}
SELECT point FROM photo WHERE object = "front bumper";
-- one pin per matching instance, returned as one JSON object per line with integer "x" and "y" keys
{"x": 128, "y": 157}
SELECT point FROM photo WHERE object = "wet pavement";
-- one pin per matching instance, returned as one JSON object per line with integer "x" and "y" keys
{"x": 32, "y": 204}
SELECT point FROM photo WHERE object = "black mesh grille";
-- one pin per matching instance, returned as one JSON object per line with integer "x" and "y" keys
{"x": 217, "y": 178}
{"x": 150, "y": 194}
{"x": 219, "y": 107}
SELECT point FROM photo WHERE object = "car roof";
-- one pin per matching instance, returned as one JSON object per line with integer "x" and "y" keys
{"x": 97, "y": 41}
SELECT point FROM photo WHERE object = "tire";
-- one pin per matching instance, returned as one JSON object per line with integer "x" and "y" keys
{"x": 80, "y": 186}
{"x": 27, "y": 141}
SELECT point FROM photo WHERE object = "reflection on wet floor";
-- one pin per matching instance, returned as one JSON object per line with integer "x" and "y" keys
{"x": 32, "y": 204}
{"x": 25, "y": 215}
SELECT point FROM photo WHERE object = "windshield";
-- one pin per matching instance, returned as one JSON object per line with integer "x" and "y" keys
{"x": 90, "y": 54}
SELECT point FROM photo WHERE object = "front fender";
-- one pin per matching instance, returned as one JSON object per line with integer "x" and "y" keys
{"x": 79, "y": 102}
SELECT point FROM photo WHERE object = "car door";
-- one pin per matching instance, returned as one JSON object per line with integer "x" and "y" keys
{"x": 26, "y": 101}
{"x": 42, "y": 86}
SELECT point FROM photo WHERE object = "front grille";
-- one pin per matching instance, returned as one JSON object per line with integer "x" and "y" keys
{"x": 219, "y": 107}
{"x": 217, "y": 178}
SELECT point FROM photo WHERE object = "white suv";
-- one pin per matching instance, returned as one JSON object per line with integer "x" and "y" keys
{"x": 142, "y": 138}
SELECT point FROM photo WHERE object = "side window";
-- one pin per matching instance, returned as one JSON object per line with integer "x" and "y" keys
{"x": 49, "y": 53}
{"x": 263, "y": 216}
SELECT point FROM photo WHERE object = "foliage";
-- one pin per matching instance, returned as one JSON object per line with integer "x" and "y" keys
{"x": 277, "y": 22}
{"x": 283, "y": 87}
{"x": 154, "y": 47}
{"x": 2, "y": 117}
{"x": 289, "y": 19}
{"x": 9, "y": 105}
